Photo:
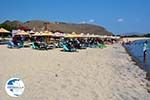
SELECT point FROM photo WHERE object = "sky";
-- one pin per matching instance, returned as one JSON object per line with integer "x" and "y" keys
{"x": 117, "y": 16}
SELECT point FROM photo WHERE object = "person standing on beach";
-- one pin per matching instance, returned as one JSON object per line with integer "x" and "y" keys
{"x": 145, "y": 47}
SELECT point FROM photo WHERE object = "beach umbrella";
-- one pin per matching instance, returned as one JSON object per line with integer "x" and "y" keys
{"x": 37, "y": 34}
{"x": 58, "y": 34}
{"x": 31, "y": 32}
{"x": 3, "y": 31}
{"x": 100, "y": 36}
{"x": 68, "y": 35}
{"x": 22, "y": 33}
{"x": 45, "y": 36}
{"x": 72, "y": 35}
{"x": 105, "y": 36}
{"x": 87, "y": 35}
{"x": 92, "y": 35}
{"x": 76, "y": 34}
{"x": 46, "y": 33}
{"x": 82, "y": 34}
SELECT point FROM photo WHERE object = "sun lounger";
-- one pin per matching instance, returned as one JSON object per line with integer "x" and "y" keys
{"x": 35, "y": 46}
{"x": 68, "y": 49}
{"x": 101, "y": 46}
{"x": 41, "y": 46}
{"x": 12, "y": 45}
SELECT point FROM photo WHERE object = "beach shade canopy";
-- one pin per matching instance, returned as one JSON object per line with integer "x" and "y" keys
{"x": 31, "y": 32}
{"x": 58, "y": 34}
{"x": 83, "y": 35}
{"x": 88, "y": 35}
{"x": 46, "y": 33}
{"x": 72, "y": 35}
{"x": 69, "y": 36}
{"x": 36, "y": 34}
{"x": 94, "y": 36}
{"x": 100, "y": 36}
{"x": 22, "y": 33}
{"x": 76, "y": 35}
{"x": 2, "y": 30}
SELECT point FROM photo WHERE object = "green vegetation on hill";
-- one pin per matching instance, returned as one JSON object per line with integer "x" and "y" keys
{"x": 147, "y": 35}
{"x": 7, "y": 27}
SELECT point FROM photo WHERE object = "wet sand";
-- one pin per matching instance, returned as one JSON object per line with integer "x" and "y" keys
{"x": 91, "y": 74}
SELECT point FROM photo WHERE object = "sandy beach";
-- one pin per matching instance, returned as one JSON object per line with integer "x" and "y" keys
{"x": 91, "y": 74}
{"x": 126, "y": 39}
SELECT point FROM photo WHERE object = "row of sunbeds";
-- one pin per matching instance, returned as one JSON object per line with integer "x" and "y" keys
{"x": 67, "y": 46}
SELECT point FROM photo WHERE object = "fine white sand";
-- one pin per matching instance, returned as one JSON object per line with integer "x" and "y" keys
{"x": 91, "y": 74}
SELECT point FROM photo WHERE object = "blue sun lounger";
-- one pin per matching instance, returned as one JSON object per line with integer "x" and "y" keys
{"x": 67, "y": 49}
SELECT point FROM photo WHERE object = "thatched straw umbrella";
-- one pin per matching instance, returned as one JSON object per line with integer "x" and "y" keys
{"x": 72, "y": 35}
{"x": 23, "y": 33}
{"x": 45, "y": 35}
{"x": 3, "y": 32}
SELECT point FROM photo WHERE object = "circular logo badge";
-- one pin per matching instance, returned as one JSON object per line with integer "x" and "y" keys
{"x": 14, "y": 87}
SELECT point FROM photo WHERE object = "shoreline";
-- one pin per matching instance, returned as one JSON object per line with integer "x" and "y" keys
{"x": 132, "y": 56}
{"x": 137, "y": 62}
{"x": 134, "y": 59}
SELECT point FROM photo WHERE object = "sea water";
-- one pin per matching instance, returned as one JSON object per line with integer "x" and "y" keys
{"x": 135, "y": 48}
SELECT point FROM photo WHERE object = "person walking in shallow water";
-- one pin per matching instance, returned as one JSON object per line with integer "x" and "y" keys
{"x": 145, "y": 47}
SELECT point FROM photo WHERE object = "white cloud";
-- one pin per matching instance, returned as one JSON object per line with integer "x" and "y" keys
{"x": 88, "y": 21}
{"x": 120, "y": 20}
{"x": 91, "y": 21}
{"x": 83, "y": 22}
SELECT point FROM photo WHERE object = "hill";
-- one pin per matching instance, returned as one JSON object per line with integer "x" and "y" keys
{"x": 39, "y": 25}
